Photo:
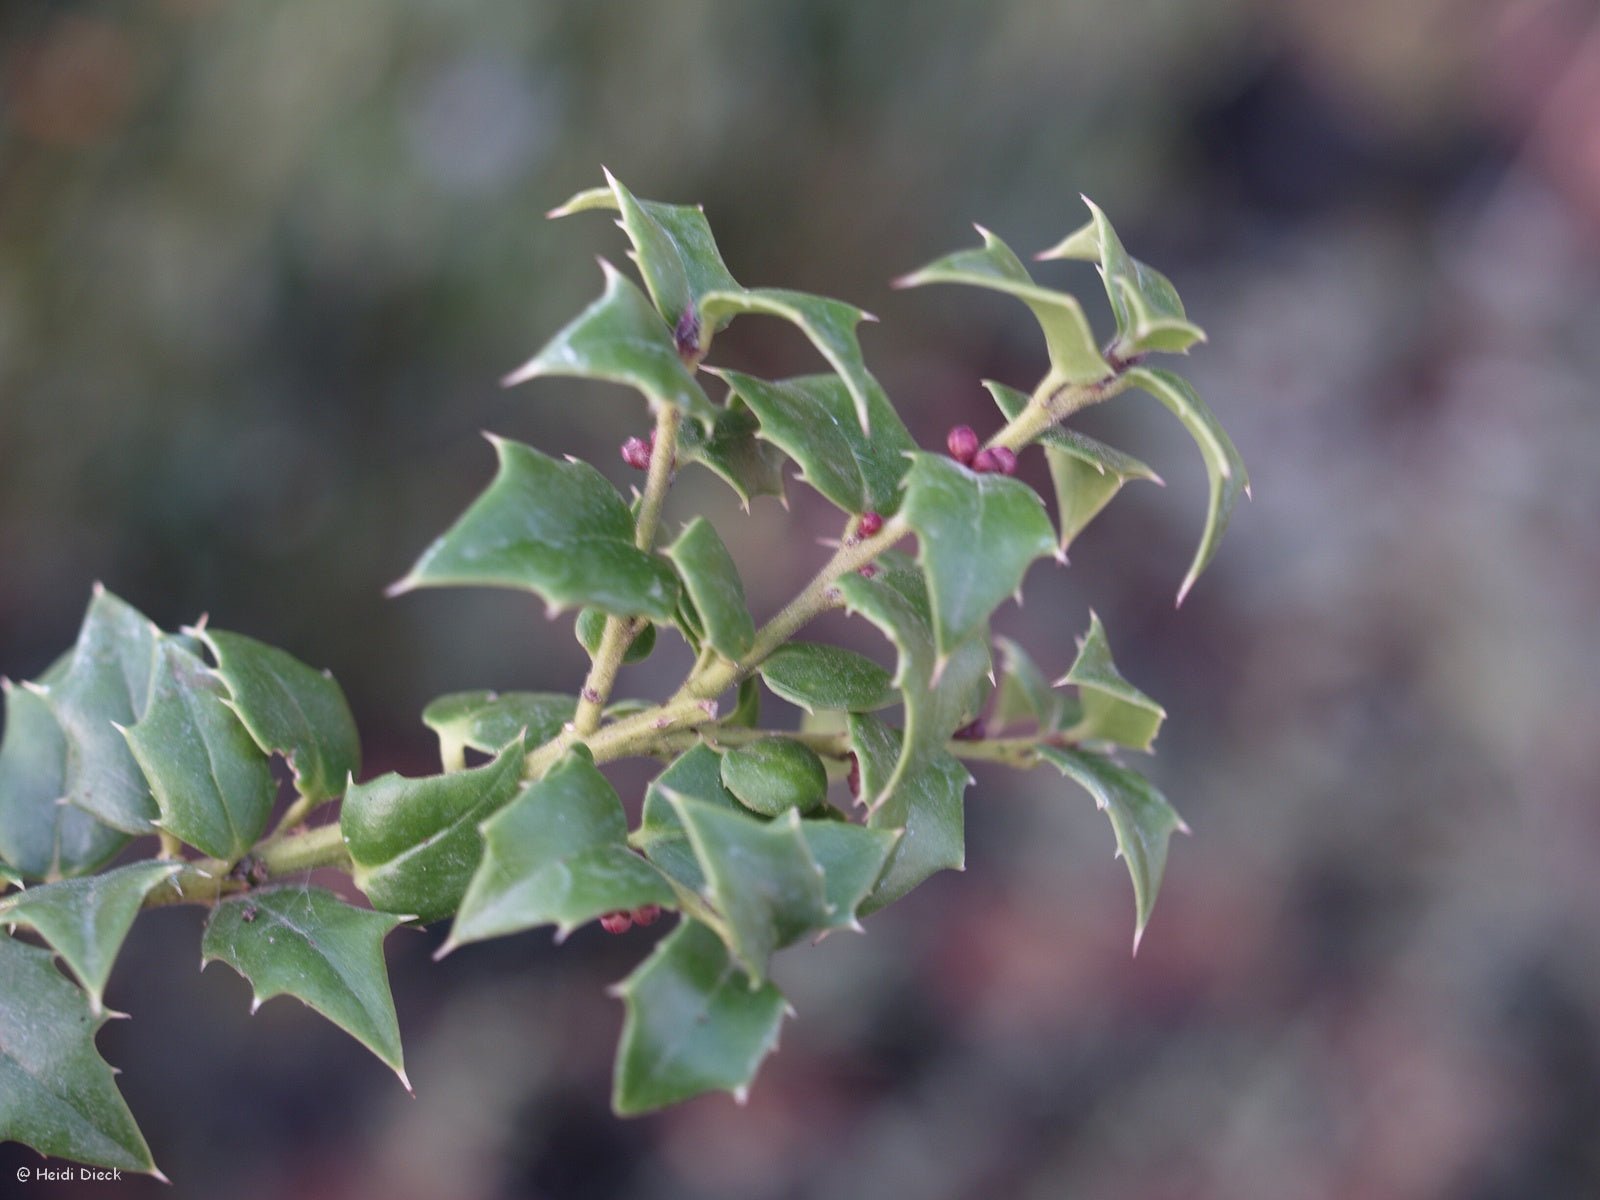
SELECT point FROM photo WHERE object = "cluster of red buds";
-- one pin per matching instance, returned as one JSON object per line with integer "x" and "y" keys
{"x": 621, "y": 922}
{"x": 636, "y": 452}
{"x": 963, "y": 445}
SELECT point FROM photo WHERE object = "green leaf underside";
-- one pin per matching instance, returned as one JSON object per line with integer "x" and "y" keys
{"x": 1113, "y": 709}
{"x": 812, "y": 419}
{"x": 488, "y": 722}
{"x": 1141, "y": 818}
{"x": 852, "y": 858}
{"x": 1086, "y": 473}
{"x": 107, "y": 683}
{"x": 40, "y": 835}
{"x": 926, "y": 802}
{"x": 818, "y": 676}
{"x": 555, "y": 528}
{"x": 622, "y": 339}
{"x": 1026, "y": 695}
{"x": 307, "y": 943}
{"x": 712, "y": 582}
{"x": 56, "y": 1093}
{"x": 896, "y": 601}
{"x": 829, "y": 324}
{"x": 694, "y": 1023}
{"x": 697, "y": 775}
{"x": 1225, "y": 473}
{"x": 1074, "y": 352}
{"x": 86, "y": 920}
{"x": 590, "y": 628}
{"x": 773, "y": 775}
{"x": 1149, "y": 315}
{"x": 212, "y": 783}
{"x": 556, "y": 855}
{"x": 415, "y": 842}
{"x": 732, "y": 450}
{"x": 290, "y": 709}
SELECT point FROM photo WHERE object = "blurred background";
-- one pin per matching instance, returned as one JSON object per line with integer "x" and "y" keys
{"x": 262, "y": 265}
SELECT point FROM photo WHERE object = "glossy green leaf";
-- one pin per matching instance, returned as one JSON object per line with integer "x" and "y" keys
{"x": 556, "y": 855}
{"x": 1074, "y": 352}
{"x": 1086, "y": 473}
{"x": 1140, "y": 816}
{"x": 976, "y": 537}
{"x": 818, "y": 676}
{"x": 415, "y": 842}
{"x": 829, "y": 324}
{"x": 490, "y": 721}
{"x": 697, "y": 775}
{"x": 552, "y": 527}
{"x": 694, "y": 1023}
{"x": 773, "y": 775}
{"x": 42, "y": 837}
{"x": 1225, "y": 473}
{"x": 590, "y": 627}
{"x": 290, "y": 709}
{"x": 712, "y": 582}
{"x": 925, "y": 802}
{"x": 56, "y": 1093}
{"x": 1026, "y": 696}
{"x": 85, "y": 920}
{"x": 211, "y": 781}
{"x": 1113, "y": 709}
{"x": 732, "y": 449}
{"x": 307, "y": 943}
{"x": 622, "y": 339}
{"x": 812, "y": 419}
{"x": 1149, "y": 315}
{"x": 852, "y": 858}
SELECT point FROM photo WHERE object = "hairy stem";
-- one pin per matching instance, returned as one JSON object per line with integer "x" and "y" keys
{"x": 210, "y": 879}
{"x": 1053, "y": 403}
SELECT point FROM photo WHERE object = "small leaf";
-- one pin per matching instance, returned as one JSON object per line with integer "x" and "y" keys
{"x": 852, "y": 860}
{"x": 211, "y": 781}
{"x": 829, "y": 324}
{"x": 925, "y": 802}
{"x": 621, "y": 338}
{"x": 307, "y": 943}
{"x": 591, "y": 626}
{"x": 694, "y": 1023}
{"x": 9, "y": 878}
{"x": 40, "y": 835}
{"x": 56, "y": 1093}
{"x": 1225, "y": 471}
{"x": 556, "y": 855}
{"x": 1074, "y": 352}
{"x": 712, "y": 582}
{"x": 746, "y": 712}
{"x": 976, "y": 537}
{"x": 1113, "y": 709}
{"x": 1086, "y": 473}
{"x": 415, "y": 842}
{"x": 751, "y": 466}
{"x": 1140, "y": 816}
{"x": 290, "y": 709}
{"x": 817, "y": 676}
{"x": 1026, "y": 695}
{"x": 812, "y": 419}
{"x": 1150, "y": 316}
{"x": 697, "y": 775}
{"x": 490, "y": 721}
{"x": 555, "y": 528}
{"x": 86, "y": 920}
{"x": 773, "y": 775}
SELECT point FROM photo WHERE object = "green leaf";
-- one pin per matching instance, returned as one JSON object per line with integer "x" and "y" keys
{"x": 712, "y": 581}
{"x": 40, "y": 835}
{"x": 925, "y": 802}
{"x": 106, "y": 684}
{"x": 85, "y": 920}
{"x": 490, "y": 721}
{"x": 620, "y": 338}
{"x": 746, "y": 712}
{"x": 556, "y": 855}
{"x": 812, "y": 419}
{"x": 760, "y": 876}
{"x": 697, "y": 775}
{"x": 555, "y": 528}
{"x": 733, "y": 450}
{"x": 976, "y": 537}
{"x": 829, "y": 324}
{"x": 307, "y": 943}
{"x": 9, "y": 878}
{"x": 1140, "y": 816}
{"x": 896, "y": 601}
{"x": 591, "y": 627}
{"x": 1086, "y": 473}
{"x": 1074, "y": 353}
{"x": 56, "y": 1093}
{"x": 415, "y": 842}
{"x": 773, "y": 775}
{"x": 1026, "y": 695}
{"x": 694, "y": 1023}
{"x": 290, "y": 709}
{"x": 1225, "y": 473}
{"x": 1149, "y": 315}
{"x": 1113, "y": 709}
{"x": 852, "y": 859}
{"x": 817, "y": 676}
{"x": 211, "y": 781}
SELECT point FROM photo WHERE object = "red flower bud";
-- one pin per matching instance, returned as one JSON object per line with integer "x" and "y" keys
{"x": 984, "y": 461}
{"x": 962, "y": 443}
{"x": 636, "y": 453}
{"x": 646, "y": 914}
{"x": 1006, "y": 460}
{"x": 616, "y": 922}
{"x": 854, "y": 778}
{"x": 870, "y": 523}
